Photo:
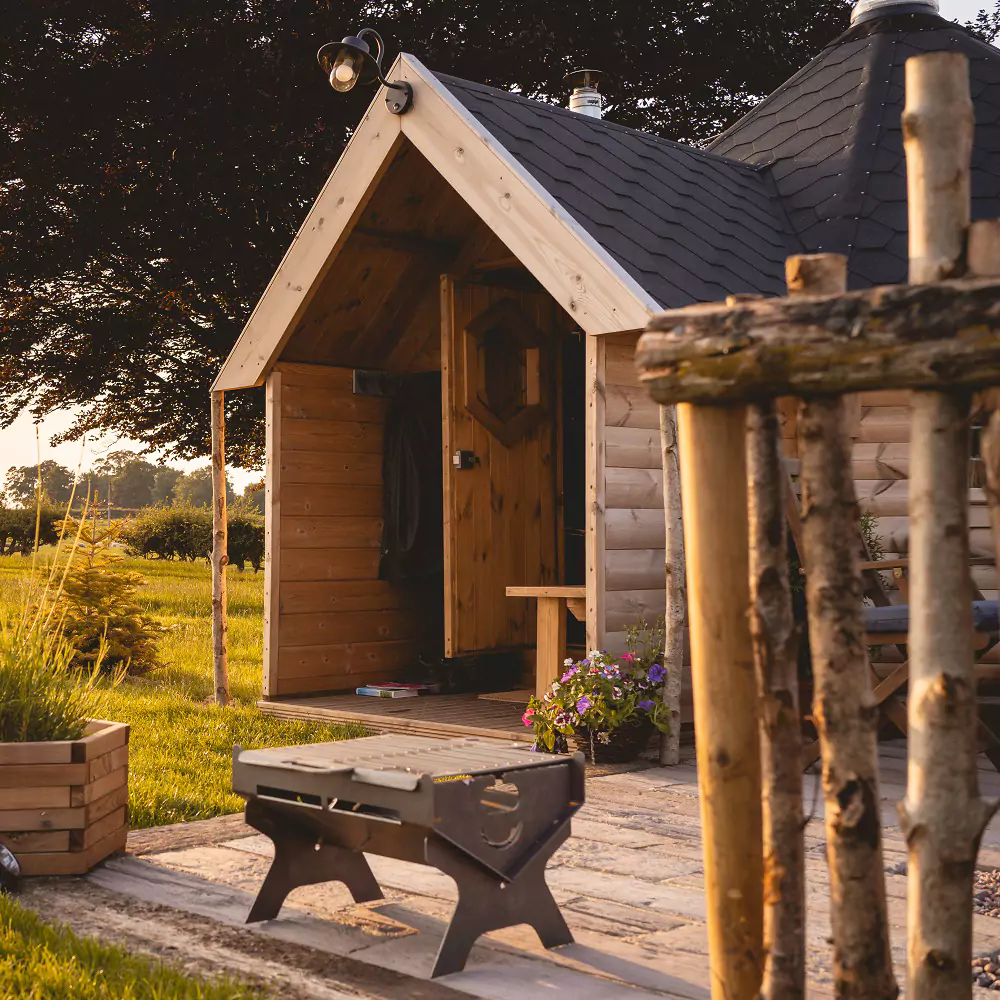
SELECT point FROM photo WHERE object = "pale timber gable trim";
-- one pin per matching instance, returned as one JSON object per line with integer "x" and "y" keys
{"x": 569, "y": 263}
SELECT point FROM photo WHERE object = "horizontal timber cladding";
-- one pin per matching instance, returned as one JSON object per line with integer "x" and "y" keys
{"x": 332, "y": 623}
{"x": 633, "y": 523}
{"x": 633, "y": 528}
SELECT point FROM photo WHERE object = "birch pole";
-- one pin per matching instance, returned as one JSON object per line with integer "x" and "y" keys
{"x": 844, "y": 707}
{"x": 673, "y": 642}
{"x": 712, "y": 444}
{"x": 772, "y": 625}
{"x": 942, "y": 816}
{"x": 220, "y": 656}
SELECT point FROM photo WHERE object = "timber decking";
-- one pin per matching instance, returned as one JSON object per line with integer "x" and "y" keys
{"x": 430, "y": 715}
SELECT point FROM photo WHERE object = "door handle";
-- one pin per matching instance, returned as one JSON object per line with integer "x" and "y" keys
{"x": 464, "y": 460}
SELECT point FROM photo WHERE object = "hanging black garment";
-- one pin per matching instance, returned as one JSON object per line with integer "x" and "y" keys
{"x": 412, "y": 541}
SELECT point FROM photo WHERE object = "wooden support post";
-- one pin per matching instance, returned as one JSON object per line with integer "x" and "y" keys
{"x": 844, "y": 708}
{"x": 220, "y": 657}
{"x": 673, "y": 642}
{"x": 550, "y": 643}
{"x": 772, "y": 625}
{"x": 712, "y": 443}
{"x": 942, "y": 815}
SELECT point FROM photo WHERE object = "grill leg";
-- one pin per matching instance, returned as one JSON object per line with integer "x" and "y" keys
{"x": 298, "y": 862}
{"x": 487, "y": 904}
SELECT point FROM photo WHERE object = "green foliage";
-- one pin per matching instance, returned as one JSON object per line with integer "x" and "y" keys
{"x": 175, "y": 531}
{"x": 97, "y": 608}
{"x": 41, "y": 961}
{"x": 195, "y": 488}
{"x": 126, "y": 478}
{"x": 181, "y": 745}
{"x": 183, "y": 531}
{"x": 869, "y": 532}
{"x": 17, "y": 527}
{"x": 602, "y": 693}
{"x": 21, "y": 485}
{"x": 142, "y": 217}
{"x": 163, "y": 484}
{"x": 41, "y": 698}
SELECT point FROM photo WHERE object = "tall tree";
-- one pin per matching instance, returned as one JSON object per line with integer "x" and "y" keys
{"x": 126, "y": 478}
{"x": 157, "y": 156}
{"x": 196, "y": 487}
{"x": 163, "y": 485}
{"x": 21, "y": 483}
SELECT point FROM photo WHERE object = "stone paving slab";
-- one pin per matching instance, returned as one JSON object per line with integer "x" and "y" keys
{"x": 630, "y": 883}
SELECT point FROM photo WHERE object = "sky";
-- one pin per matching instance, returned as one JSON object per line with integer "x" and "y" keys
{"x": 18, "y": 445}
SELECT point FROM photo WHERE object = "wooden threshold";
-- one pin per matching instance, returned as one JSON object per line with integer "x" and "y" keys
{"x": 430, "y": 715}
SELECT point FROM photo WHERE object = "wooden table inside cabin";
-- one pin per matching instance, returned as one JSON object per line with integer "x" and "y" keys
{"x": 550, "y": 640}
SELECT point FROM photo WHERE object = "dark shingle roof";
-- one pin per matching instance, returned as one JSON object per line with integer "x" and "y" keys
{"x": 687, "y": 225}
{"x": 831, "y": 141}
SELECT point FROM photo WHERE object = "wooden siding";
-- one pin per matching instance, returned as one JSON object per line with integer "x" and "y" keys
{"x": 631, "y": 526}
{"x": 332, "y": 624}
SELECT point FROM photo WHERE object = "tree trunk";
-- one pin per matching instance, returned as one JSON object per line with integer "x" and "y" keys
{"x": 712, "y": 441}
{"x": 772, "y": 626}
{"x": 220, "y": 558}
{"x": 942, "y": 815}
{"x": 844, "y": 707}
{"x": 673, "y": 644}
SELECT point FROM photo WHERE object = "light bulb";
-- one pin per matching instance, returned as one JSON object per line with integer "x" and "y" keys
{"x": 344, "y": 71}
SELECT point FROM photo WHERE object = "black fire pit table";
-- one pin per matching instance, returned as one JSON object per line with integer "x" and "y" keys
{"x": 488, "y": 814}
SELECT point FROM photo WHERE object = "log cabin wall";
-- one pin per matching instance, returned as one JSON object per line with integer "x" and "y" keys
{"x": 631, "y": 530}
{"x": 330, "y": 622}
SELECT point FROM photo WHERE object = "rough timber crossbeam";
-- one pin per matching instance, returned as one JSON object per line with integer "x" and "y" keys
{"x": 894, "y": 337}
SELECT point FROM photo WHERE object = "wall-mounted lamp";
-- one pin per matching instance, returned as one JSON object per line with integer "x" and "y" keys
{"x": 351, "y": 61}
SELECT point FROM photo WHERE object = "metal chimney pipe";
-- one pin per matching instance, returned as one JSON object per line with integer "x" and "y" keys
{"x": 584, "y": 98}
{"x": 869, "y": 10}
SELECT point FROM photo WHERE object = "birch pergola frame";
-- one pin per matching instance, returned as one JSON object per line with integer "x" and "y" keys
{"x": 939, "y": 338}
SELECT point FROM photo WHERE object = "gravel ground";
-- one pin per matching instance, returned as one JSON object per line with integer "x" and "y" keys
{"x": 986, "y": 893}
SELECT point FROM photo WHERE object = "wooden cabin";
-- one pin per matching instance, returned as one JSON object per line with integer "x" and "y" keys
{"x": 447, "y": 346}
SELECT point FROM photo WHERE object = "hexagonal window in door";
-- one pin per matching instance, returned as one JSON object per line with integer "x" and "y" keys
{"x": 506, "y": 371}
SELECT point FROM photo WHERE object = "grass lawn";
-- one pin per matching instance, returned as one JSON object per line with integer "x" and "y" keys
{"x": 39, "y": 961}
{"x": 181, "y": 745}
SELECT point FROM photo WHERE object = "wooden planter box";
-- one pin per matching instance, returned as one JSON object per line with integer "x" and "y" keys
{"x": 63, "y": 803}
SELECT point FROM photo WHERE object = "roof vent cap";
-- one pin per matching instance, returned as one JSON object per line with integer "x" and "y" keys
{"x": 584, "y": 99}
{"x": 869, "y": 10}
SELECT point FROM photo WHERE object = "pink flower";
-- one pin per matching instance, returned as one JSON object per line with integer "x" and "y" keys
{"x": 526, "y": 718}
{"x": 629, "y": 657}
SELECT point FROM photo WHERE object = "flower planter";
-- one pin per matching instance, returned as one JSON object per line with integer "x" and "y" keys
{"x": 63, "y": 803}
{"x": 624, "y": 745}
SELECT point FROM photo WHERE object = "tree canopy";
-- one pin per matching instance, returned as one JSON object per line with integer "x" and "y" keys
{"x": 21, "y": 484}
{"x": 157, "y": 157}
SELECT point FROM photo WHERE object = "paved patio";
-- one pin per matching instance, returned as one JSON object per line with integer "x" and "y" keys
{"x": 630, "y": 883}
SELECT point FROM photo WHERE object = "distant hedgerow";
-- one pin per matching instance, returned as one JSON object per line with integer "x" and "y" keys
{"x": 184, "y": 531}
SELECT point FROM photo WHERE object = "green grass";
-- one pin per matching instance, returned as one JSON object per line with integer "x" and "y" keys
{"x": 39, "y": 961}
{"x": 181, "y": 744}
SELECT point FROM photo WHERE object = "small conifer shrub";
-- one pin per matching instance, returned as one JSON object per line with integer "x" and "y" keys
{"x": 97, "y": 609}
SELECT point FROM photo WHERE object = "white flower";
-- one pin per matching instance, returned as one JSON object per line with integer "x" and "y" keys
{"x": 568, "y": 662}
{"x": 556, "y": 685}
{"x": 594, "y": 654}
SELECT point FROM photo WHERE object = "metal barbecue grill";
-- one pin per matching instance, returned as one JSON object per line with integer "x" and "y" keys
{"x": 488, "y": 814}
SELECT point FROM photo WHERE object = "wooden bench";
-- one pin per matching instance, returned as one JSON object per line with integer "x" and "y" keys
{"x": 550, "y": 641}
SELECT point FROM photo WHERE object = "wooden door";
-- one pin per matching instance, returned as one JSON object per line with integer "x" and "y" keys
{"x": 501, "y": 512}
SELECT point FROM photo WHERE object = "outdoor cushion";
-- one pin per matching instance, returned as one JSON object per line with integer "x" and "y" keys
{"x": 896, "y": 618}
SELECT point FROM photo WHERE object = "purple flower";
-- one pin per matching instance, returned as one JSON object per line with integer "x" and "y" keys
{"x": 563, "y": 719}
{"x": 585, "y": 663}
{"x": 566, "y": 676}
{"x": 645, "y": 706}
{"x": 583, "y": 704}
{"x": 656, "y": 673}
